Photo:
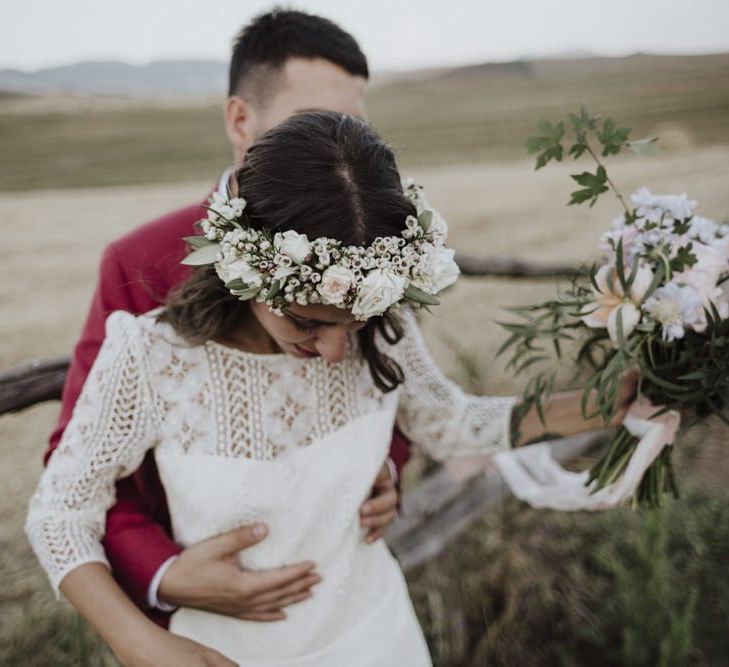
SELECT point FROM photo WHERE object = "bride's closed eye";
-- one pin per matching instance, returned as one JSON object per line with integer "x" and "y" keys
{"x": 302, "y": 327}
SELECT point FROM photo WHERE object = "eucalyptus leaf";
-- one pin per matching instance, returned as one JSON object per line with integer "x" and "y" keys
{"x": 198, "y": 241}
{"x": 275, "y": 289}
{"x": 425, "y": 219}
{"x": 419, "y": 296}
{"x": 201, "y": 256}
{"x": 246, "y": 294}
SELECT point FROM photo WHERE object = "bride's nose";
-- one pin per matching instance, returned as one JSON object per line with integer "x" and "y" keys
{"x": 331, "y": 342}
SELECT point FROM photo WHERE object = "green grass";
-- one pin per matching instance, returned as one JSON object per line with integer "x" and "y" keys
{"x": 468, "y": 116}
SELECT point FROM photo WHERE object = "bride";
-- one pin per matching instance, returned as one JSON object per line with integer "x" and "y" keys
{"x": 268, "y": 387}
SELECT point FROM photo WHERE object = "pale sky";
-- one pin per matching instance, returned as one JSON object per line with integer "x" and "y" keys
{"x": 395, "y": 34}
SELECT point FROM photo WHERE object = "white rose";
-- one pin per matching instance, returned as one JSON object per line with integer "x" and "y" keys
{"x": 377, "y": 292}
{"x": 232, "y": 267}
{"x": 293, "y": 244}
{"x": 335, "y": 283}
{"x": 443, "y": 270}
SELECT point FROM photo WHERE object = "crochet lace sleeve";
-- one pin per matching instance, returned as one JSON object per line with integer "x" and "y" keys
{"x": 113, "y": 425}
{"x": 437, "y": 414}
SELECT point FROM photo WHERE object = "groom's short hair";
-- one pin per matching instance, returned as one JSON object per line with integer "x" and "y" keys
{"x": 263, "y": 46}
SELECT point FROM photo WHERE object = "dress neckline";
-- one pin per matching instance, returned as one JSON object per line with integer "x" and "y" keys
{"x": 271, "y": 356}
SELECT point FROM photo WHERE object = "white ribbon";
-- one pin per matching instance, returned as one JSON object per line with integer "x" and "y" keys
{"x": 536, "y": 478}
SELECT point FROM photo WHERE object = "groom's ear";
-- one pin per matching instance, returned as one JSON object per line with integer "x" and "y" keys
{"x": 239, "y": 125}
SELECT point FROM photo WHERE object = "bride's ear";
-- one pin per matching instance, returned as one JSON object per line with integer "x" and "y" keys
{"x": 239, "y": 125}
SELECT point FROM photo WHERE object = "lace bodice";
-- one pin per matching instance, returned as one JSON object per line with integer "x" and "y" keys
{"x": 148, "y": 389}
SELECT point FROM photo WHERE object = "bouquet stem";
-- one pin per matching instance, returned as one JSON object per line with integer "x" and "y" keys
{"x": 657, "y": 481}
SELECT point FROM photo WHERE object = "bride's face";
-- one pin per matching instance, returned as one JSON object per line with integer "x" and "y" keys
{"x": 309, "y": 331}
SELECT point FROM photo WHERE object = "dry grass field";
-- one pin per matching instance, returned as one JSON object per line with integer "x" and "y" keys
{"x": 54, "y": 230}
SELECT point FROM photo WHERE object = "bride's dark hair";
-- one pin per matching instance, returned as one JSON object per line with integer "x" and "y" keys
{"x": 320, "y": 174}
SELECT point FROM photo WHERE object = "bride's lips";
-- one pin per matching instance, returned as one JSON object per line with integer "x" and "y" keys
{"x": 305, "y": 353}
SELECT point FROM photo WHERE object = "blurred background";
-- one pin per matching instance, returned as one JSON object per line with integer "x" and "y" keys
{"x": 111, "y": 114}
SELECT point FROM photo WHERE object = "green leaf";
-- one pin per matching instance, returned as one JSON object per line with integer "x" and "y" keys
{"x": 198, "y": 241}
{"x": 246, "y": 294}
{"x": 684, "y": 258}
{"x": 419, "y": 296}
{"x": 237, "y": 284}
{"x": 274, "y": 290}
{"x": 612, "y": 138}
{"x": 593, "y": 186}
{"x": 424, "y": 220}
{"x": 547, "y": 142}
{"x": 657, "y": 278}
{"x": 205, "y": 255}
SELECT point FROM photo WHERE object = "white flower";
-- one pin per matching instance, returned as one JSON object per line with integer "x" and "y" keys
{"x": 335, "y": 283}
{"x": 293, "y": 244}
{"x": 666, "y": 208}
{"x": 283, "y": 271}
{"x": 232, "y": 267}
{"x": 610, "y": 239}
{"x": 612, "y": 304}
{"x": 442, "y": 269}
{"x": 703, "y": 229}
{"x": 675, "y": 307}
{"x": 679, "y": 207}
{"x": 377, "y": 292}
{"x": 227, "y": 209}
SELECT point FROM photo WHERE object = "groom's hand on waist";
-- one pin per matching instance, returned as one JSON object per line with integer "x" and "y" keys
{"x": 377, "y": 513}
{"x": 207, "y": 576}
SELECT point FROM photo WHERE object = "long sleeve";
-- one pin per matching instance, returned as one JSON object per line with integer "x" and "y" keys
{"x": 114, "y": 423}
{"x": 437, "y": 414}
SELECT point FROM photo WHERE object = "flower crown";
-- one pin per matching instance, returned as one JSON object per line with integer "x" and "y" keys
{"x": 286, "y": 267}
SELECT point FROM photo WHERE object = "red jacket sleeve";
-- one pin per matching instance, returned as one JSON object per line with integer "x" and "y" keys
{"x": 399, "y": 452}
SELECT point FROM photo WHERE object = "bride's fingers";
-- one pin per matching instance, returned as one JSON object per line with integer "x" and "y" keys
{"x": 292, "y": 589}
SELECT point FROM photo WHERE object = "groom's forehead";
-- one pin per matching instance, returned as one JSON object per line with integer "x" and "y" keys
{"x": 307, "y": 84}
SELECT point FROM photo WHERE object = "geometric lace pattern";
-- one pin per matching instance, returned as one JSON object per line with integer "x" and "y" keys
{"x": 149, "y": 389}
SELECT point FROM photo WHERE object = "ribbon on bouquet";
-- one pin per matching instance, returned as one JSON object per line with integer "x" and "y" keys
{"x": 536, "y": 478}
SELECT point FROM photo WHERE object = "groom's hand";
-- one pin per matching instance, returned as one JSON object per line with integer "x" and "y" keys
{"x": 381, "y": 509}
{"x": 207, "y": 576}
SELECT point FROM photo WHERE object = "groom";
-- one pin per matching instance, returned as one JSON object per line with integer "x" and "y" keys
{"x": 283, "y": 62}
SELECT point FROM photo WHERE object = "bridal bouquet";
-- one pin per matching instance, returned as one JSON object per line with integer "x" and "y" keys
{"x": 657, "y": 301}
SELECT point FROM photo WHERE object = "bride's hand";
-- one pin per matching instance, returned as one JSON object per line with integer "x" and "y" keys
{"x": 207, "y": 576}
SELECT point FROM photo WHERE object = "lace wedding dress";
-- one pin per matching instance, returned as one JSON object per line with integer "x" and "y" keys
{"x": 242, "y": 438}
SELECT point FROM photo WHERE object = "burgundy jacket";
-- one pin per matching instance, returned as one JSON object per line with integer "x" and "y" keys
{"x": 137, "y": 271}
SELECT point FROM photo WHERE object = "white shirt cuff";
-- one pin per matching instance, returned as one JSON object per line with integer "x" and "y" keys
{"x": 153, "y": 589}
{"x": 393, "y": 469}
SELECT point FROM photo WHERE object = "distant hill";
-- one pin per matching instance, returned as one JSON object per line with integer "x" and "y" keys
{"x": 200, "y": 78}
{"x": 158, "y": 79}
